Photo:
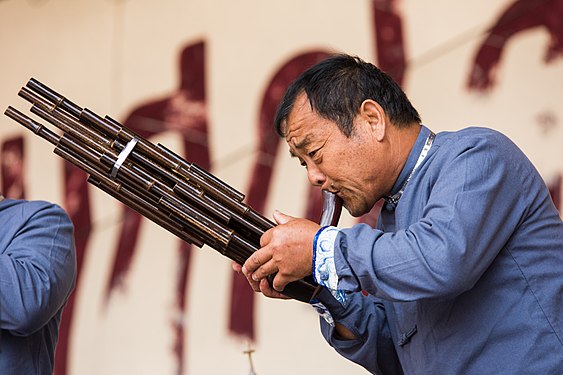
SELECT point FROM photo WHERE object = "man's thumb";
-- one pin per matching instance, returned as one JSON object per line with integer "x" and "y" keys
{"x": 281, "y": 218}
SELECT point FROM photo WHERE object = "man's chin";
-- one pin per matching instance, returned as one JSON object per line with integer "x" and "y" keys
{"x": 356, "y": 210}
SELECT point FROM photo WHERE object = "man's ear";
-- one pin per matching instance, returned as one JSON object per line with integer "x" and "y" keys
{"x": 374, "y": 116}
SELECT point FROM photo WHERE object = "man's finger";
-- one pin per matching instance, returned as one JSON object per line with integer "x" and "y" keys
{"x": 266, "y": 237}
{"x": 279, "y": 283}
{"x": 281, "y": 218}
{"x": 254, "y": 261}
{"x": 267, "y": 290}
{"x": 264, "y": 270}
{"x": 236, "y": 267}
{"x": 254, "y": 284}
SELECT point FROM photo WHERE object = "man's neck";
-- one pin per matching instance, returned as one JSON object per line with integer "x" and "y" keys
{"x": 402, "y": 141}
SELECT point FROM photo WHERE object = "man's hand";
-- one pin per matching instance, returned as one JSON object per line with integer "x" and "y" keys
{"x": 260, "y": 286}
{"x": 286, "y": 250}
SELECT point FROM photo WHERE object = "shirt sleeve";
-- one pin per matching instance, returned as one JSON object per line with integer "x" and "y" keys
{"x": 365, "y": 317}
{"x": 473, "y": 207}
{"x": 37, "y": 269}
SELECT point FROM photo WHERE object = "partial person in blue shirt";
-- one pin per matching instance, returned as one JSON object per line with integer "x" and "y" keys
{"x": 37, "y": 275}
{"x": 464, "y": 272}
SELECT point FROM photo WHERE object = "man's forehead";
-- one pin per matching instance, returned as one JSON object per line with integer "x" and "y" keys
{"x": 298, "y": 135}
{"x": 301, "y": 125}
{"x": 302, "y": 102}
{"x": 301, "y": 107}
{"x": 300, "y": 112}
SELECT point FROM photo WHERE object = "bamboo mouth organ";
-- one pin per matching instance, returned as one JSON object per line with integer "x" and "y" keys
{"x": 179, "y": 196}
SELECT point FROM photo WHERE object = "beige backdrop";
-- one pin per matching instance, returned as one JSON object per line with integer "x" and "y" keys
{"x": 111, "y": 55}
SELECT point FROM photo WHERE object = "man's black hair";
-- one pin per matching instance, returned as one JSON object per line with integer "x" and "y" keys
{"x": 337, "y": 86}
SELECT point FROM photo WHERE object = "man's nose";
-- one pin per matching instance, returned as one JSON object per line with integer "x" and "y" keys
{"x": 316, "y": 177}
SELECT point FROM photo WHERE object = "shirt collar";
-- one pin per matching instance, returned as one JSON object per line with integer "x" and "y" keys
{"x": 411, "y": 161}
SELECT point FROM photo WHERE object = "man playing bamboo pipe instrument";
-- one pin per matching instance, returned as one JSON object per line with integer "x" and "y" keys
{"x": 462, "y": 274}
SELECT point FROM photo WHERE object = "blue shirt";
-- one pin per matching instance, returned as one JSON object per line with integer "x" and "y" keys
{"x": 464, "y": 275}
{"x": 37, "y": 275}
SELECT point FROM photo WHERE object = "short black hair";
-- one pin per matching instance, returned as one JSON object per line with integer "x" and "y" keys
{"x": 336, "y": 88}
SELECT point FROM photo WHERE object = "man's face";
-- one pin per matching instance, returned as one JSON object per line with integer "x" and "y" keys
{"x": 352, "y": 167}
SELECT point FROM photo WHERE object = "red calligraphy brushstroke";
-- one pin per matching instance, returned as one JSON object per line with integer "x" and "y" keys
{"x": 388, "y": 37}
{"x": 555, "y": 191}
{"x": 241, "y": 321}
{"x": 12, "y": 156}
{"x": 391, "y": 58}
{"x": 77, "y": 205}
{"x": 519, "y": 16}
{"x": 184, "y": 112}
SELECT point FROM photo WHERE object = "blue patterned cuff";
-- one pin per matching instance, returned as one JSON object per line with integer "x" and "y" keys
{"x": 322, "y": 310}
{"x": 324, "y": 269}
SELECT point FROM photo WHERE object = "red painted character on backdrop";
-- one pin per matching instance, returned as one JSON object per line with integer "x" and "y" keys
{"x": 183, "y": 111}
